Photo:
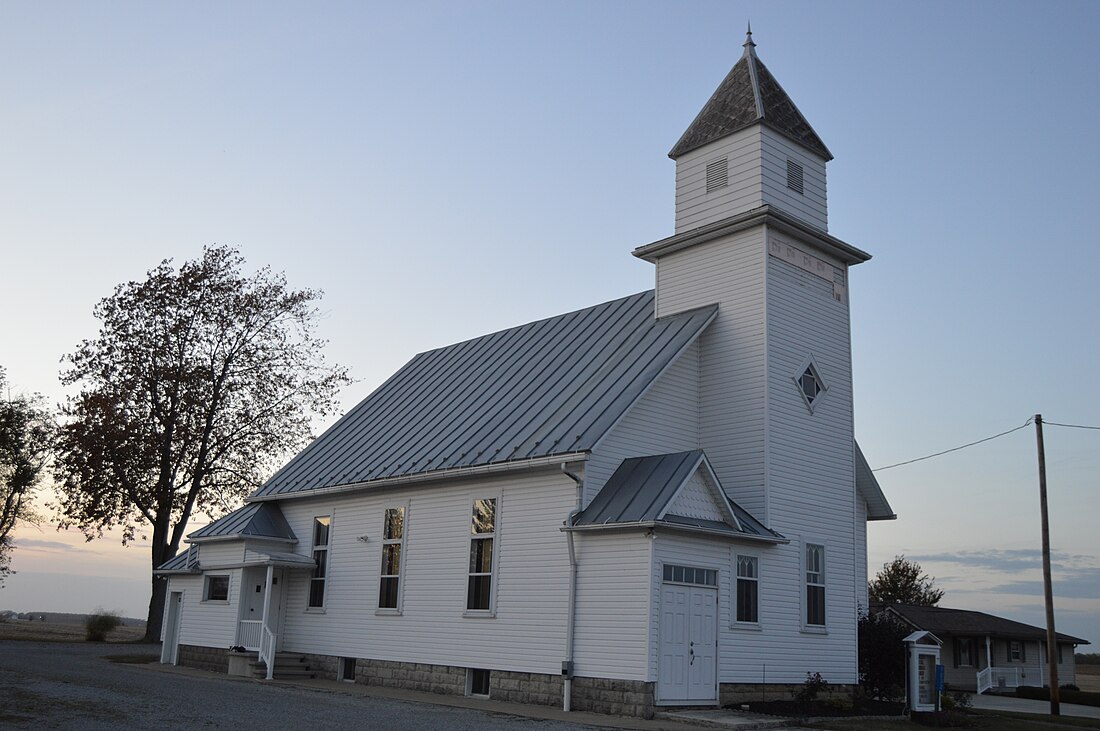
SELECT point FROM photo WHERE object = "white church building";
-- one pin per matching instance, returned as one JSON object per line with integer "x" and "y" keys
{"x": 654, "y": 501}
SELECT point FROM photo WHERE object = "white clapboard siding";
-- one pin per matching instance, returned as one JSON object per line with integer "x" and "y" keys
{"x": 663, "y": 421}
{"x": 775, "y": 650}
{"x": 612, "y": 620}
{"x": 730, "y": 272}
{"x": 757, "y": 163}
{"x": 220, "y": 553}
{"x": 809, "y": 206}
{"x": 531, "y": 584}
{"x": 207, "y": 624}
{"x": 694, "y": 205}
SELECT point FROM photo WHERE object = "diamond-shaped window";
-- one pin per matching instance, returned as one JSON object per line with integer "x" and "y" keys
{"x": 810, "y": 384}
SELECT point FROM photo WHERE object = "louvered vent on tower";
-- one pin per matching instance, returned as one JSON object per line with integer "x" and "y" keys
{"x": 794, "y": 176}
{"x": 718, "y": 175}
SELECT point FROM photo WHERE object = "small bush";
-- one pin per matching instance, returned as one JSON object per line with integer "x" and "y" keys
{"x": 99, "y": 624}
{"x": 812, "y": 687}
{"x": 956, "y": 700}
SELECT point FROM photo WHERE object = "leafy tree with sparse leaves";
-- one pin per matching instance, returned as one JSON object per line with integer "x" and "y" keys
{"x": 200, "y": 381}
{"x": 903, "y": 582}
{"x": 882, "y": 655}
{"x": 26, "y": 434}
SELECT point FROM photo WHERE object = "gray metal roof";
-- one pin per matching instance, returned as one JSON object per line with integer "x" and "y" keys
{"x": 182, "y": 563}
{"x": 878, "y": 507}
{"x": 254, "y": 520}
{"x": 551, "y": 387}
{"x": 642, "y": 487}
{"x": 946, "y": 622}
{"x": 749, "y": 95}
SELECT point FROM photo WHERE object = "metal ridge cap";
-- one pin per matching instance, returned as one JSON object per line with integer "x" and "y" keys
{"x": 423, "y": 477}
{"x": 765, "y": 214}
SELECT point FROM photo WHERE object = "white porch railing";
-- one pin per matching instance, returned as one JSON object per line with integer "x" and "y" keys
{"x": 995, "y": 678}
{"x": 267, "y": 651}
{"x": 248, "y": 633}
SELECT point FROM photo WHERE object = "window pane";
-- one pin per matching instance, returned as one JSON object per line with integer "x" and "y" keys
{"x": 481, "y": 556}
{"x": 395, "y": 524}
{"x": 746, "y": 567}
{"x": 320, "y": 531}
{"x": 815, "y": 605}
{"x": 387, "y": 593}
{"x": 317, "y": 592}
{"x": 484, "y": 516}
{"x": 668, "y": 572}
{"x": 746, "y": 600}
{"x": 217, "y": 588}
{"x": 321, "y": 557}
{"x": 391, "y": 559}
{"x": 479, "y": 591}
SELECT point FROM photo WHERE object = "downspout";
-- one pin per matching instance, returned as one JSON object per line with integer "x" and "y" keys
{"x": 570, "y": 619}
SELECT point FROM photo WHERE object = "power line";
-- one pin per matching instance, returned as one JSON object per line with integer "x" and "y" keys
{"x": 1069, "y": 426}
{"x": 956, "y": 449}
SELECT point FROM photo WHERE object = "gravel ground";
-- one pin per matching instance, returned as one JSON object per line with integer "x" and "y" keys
{"x": 52, "y": 685}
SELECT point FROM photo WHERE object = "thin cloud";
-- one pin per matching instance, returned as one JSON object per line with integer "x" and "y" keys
{"x": 1011, "y": 560}
{"x": 33, "y": 544}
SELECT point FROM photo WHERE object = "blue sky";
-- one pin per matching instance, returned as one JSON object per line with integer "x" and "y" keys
{"x": 443, "y": 170}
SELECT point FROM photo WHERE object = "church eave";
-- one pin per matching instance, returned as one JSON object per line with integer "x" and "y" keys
{"x": 763, "y": 215}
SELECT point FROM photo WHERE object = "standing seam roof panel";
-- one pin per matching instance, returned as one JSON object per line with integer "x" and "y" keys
{"x": 549, "y": 387}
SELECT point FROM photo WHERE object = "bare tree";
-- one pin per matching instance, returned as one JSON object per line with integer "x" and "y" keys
{"x": 200, "y": 382}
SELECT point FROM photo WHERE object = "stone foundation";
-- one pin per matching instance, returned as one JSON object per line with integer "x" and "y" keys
{"x": 617, "y": 697}
{"x": 738, "y": 693}
{"x": 599, "y": 695}
{"x": 204, "y": 658}
{"x": 537, "y": 688}
{"x": 442, "y": 679}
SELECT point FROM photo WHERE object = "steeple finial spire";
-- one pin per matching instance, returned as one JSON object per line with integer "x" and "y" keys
{"x": 748, "y": 44}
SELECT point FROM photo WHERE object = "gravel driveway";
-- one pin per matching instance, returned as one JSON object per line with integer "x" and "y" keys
{"x": 53, "y": 685}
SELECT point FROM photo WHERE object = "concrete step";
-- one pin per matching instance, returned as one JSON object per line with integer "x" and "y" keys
{"x": 287, "y": 665}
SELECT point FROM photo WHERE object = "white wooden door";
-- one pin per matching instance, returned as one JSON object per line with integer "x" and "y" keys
{"x": 688, "y": 654}
{"x": 169, "y": 651}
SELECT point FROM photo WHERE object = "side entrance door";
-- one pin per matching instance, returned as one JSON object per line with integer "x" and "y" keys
{"x": 169, "y": 651}
{"x": 687, "y": 664}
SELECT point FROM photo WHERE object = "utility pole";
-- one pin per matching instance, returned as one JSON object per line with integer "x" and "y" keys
{"x": 1048, "y": 591}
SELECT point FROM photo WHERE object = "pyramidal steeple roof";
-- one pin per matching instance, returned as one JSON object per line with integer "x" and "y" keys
{"x": 749, "y": 95}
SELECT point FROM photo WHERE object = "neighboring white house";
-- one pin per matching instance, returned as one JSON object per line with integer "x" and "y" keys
{"x": 657, "y": 500}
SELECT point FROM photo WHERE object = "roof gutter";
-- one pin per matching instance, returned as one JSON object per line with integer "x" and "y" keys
{"x": 651, "y": 524}
{"x": 436, "y": 476}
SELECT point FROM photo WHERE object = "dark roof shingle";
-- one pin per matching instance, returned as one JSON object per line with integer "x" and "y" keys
{"x": 942, "y": 621}
{"x": 749, "y": 94}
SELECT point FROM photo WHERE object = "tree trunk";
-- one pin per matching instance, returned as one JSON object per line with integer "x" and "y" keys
{"x": 156, "y": 609}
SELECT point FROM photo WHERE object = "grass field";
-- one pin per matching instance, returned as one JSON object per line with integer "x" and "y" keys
{"x": 58, "y": 632}
{"x": 1088, "y": 677}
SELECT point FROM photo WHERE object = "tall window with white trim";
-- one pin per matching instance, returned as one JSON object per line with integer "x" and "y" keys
{"x": 748, "y": 589}
{"x": 393, "y": 542}
{"x": 815, "y": 585}
{"x": 483, "y": 530}
{"x": 321, "y": 527}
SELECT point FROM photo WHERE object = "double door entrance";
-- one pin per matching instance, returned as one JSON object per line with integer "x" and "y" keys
{"x": 687, "y": 663}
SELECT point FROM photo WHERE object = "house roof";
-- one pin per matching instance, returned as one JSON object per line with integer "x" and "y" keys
{"x": 254, "y": 520}
{"x": 968, "y": 623}
{"x": 182, "y": 563}
{"x": 642, "y": 488}
{"x": 548, "y": 388}
{"x": 749, "y": 95}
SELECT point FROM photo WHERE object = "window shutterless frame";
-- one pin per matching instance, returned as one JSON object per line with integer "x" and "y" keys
{"x": 390, "y": 584}
{"x": 484, "y": 552}
{"x": 215, "y": 588}
{"x": 322, "y": 531}
{"x": 813, "y": 563}
{"x": 746, "y": 589}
